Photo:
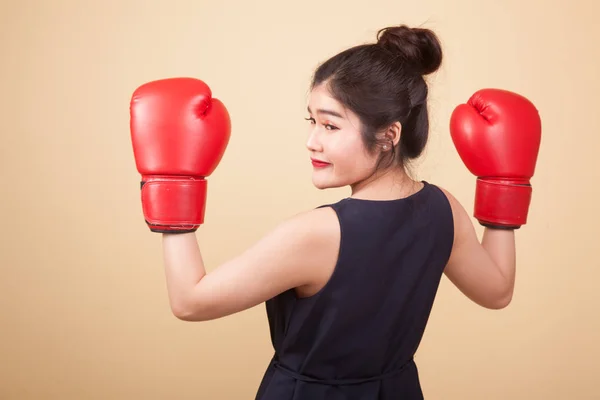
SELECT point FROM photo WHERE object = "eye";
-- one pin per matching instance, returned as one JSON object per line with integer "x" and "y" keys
{"x": 329, "y": 127}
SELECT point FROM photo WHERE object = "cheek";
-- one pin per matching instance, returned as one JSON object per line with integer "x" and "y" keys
{"x": 352, "y": 159}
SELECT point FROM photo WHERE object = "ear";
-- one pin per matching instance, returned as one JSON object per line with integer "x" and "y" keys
{"x": 391, "y": 136}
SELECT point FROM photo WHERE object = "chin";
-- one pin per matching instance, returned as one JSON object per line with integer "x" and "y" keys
{"x": 320, "y": 185}
{"x": 323, "y": 187}
{"x": 327, "y": 184}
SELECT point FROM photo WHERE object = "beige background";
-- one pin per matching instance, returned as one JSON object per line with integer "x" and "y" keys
{"x": 83, "y": 305}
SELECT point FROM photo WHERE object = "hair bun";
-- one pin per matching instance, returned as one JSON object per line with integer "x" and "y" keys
{"x": 419, "y": 47}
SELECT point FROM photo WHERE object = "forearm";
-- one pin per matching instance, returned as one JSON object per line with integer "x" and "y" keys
{"x": 500, "y": 245}
{"x": 184, "y": 268}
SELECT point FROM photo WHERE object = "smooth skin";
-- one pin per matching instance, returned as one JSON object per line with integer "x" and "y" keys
{"x": 301, "y": 252}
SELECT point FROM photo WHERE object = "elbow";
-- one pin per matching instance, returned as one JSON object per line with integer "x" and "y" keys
{"x": 185, "y": 312}
{"x": 188, "y": 316}
{"x": 499, "y": 304}
{"x": 193, "y": 312}
{"x": 192, "y": 307}
{"x": 180, "y": 311}
{"x": 183, "y": 315}
{"x": 501, "y": 301}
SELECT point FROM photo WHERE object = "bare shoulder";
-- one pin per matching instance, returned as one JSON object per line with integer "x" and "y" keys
{"x": 462, "y": 221}
{"x": 304, "y": 242}
{"x": 454, "y": 203}
{"x": 317, "y": 232}
{"x": 299, "y": 253}
{"x": 309, "y": 227}
{"x": 318, "y": 236}
{"x": 470, "y": 268}
{"x": 465, "y": 237}
{"x": 319, "y": 220}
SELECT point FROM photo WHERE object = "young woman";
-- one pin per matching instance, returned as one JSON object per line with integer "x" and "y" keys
{"x": 348, "y": 286}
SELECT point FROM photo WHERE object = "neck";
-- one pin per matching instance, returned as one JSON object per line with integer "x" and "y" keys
{"x": 388, "y": 184}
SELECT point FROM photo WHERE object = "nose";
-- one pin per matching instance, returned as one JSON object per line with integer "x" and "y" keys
{"x": 313, "y": 143}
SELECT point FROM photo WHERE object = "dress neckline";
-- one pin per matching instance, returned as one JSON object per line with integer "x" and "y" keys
{"x": 401, "y": 199}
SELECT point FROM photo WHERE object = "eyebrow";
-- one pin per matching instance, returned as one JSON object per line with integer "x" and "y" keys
{"x": 328, "y": 112}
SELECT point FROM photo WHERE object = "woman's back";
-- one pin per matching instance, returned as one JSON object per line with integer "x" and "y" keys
{"x": 356, "y": 337}
{"x": 354, "y": 332}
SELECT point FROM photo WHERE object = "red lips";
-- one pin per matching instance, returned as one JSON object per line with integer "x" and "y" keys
{"x": 318, "y": 163}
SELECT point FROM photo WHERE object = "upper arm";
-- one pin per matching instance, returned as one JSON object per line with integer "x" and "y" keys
{"x": 289, "y": 256}
{"x": 470, "y": 268}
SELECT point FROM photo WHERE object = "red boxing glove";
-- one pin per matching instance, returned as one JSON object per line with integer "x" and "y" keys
{"x": 497, "y": 135}
{"x": 179, "y": 134}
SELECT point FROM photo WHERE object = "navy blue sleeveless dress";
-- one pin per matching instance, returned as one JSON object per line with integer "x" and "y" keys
{"x": 356, "y": 338}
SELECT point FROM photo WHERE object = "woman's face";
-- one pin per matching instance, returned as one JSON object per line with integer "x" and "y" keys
{"x": 335, "y": 141}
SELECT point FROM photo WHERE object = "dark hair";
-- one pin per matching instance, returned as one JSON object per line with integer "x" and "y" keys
{"x": 383, "y": 83}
